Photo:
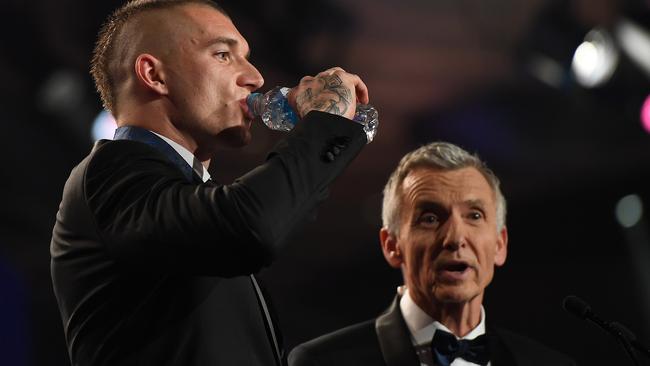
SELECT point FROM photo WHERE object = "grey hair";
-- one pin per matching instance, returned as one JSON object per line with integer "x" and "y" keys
{"x": 436, "y": 155}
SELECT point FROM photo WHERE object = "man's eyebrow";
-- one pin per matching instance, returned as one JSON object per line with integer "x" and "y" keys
{"x": 475, "y": 203}
{"x": 428, "y": 206}
{"x": 228, "y": 41}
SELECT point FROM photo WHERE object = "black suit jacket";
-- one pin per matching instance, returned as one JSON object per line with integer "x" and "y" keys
{"x": 150, "y": 268}
{"x": 386, "y": 341}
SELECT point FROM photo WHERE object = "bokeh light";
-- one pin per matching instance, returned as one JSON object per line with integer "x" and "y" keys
{"x": 595, "y": 60}
{"x": 629, "y": 210}
{"x": 645, "y": 114}
{"x": 104, "y": 126}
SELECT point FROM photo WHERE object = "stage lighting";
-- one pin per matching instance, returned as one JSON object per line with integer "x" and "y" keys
{"x": 595, "y": 59}
{"x": 629, "y": 210}
{"x": 104, "y": 126}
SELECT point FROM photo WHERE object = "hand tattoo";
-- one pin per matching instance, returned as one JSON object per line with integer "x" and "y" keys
{"x": 330, "y": 96}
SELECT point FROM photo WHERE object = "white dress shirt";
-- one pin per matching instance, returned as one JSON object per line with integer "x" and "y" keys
{"x": 422, "y": 327}
{"x": 188, "y": 157}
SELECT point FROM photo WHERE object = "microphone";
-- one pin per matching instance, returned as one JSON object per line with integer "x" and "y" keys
{"x": 623, "y": 330}
{"x": 582, "y": 310}
{"x": 576, "y": 306}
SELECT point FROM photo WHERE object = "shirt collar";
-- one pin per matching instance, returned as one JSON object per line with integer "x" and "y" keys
{"x": 422, "y": 326}
{"x": 196, "y": 165}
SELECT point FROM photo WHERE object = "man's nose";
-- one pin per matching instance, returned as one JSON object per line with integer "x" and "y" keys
{"x": 250, "y": 78}
{"x": 454, "y": 235}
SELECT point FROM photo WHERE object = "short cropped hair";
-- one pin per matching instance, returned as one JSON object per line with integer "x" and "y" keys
{"x": 442, "y": 156}
{"x": 103, "y": 67}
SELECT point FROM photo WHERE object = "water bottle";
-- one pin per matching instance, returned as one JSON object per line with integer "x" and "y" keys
{"x": 276, "y": 113}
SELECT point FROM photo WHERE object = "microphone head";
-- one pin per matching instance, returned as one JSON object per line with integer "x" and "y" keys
{"x": 576, "y": 306}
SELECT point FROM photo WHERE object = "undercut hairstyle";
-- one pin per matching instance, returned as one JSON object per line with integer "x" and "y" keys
{"x": 107, "y": 56}
{"x": 438, "y": 156}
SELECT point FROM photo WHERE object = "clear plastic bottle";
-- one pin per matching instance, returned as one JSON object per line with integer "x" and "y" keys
{"x": 276, "y": 113}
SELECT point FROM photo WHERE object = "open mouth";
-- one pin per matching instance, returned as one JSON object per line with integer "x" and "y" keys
{"x": 453, "y": 271}
{"x": 455, "y": 267}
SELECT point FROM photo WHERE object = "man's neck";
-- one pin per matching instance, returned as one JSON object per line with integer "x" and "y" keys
{"x": 460, "y": 318}
{"x": 167, "y": 129}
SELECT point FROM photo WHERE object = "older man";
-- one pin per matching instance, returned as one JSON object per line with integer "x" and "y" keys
{"x": 152, "y": 262}
{"x": 444, "y": 226}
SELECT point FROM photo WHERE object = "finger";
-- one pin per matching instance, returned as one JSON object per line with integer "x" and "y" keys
{"x": 361, "y": 90}
{"x": 332, "y": 70}
{"x": 306, "y": 79}
{"x": 291, "y": 97}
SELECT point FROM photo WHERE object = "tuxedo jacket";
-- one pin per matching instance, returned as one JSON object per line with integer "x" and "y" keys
{"x": 386, "y": 341}
{"x": 151, "y": 267}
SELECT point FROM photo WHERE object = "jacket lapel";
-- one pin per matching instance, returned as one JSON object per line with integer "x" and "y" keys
{"x": 499, "y": 353}
{"x": 145, "y": 136}
{"x": 273, "y": 334}
{"x": 397, "y": 349}
{"x": 394, "y": 338}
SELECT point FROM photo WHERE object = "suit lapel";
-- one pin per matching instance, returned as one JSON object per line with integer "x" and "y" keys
{"x": 394, "y": 338}
{"x": 397, "y": 349}
{"x": 145, "y": 136}
{"x": 500, "y": 355}
{"x": 273, "y": 334}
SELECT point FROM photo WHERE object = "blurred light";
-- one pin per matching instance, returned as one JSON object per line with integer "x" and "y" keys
{"x": 585, "y": 60}
{"x": 595, "y": 59}
{"x": 629, "y": 210}
{"x": 547, "y": 70}
{"x": 104, "y": 126}
{"x": 645, "y": 114}
{"x": 635, "y": 41}
{"x": 62, "y": 92}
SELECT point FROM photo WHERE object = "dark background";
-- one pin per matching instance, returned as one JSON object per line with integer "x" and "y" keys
{"x": 465, "y": 71}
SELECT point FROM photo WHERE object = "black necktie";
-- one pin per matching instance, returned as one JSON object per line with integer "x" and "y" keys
{"x": 445, "y": 348}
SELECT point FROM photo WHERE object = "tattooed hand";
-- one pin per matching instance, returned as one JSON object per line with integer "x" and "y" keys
{"x": 333, "y": 91}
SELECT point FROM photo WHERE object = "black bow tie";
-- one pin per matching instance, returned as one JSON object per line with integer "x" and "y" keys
{"x": 445, "y": 348}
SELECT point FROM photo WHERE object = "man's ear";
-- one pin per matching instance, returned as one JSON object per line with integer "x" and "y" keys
{"x": 149, "y": 72}
{"x": 391, "y": 248}
{"x": 502, "y": 247}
